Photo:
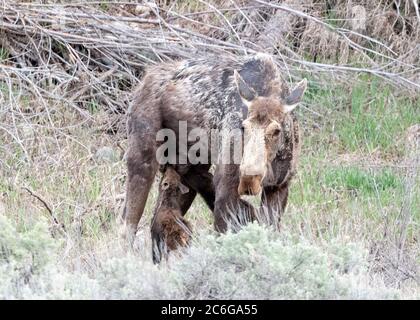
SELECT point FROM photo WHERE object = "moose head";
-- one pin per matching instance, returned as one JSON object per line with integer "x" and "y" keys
{"x": 263, "y": 131}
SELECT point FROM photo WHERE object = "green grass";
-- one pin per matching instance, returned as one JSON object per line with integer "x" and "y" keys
{"x": 104, "y": 6}
{"x": 353, "y": 142}
{"x": 376, "y": 120}
{"x": 4, "y": 54}
{"x": 329, "y": 180}
{"x": 333, "y": 19}
{"x": 361, "y": 181}
{"x": 364, "y": 118}
{"x": 93, "y": 107}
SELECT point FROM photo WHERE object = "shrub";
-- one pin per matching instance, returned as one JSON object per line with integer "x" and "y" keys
{"x": 257, "y": 263}
{"x": 254, "y": 263}
{"x": 23, "y": 256}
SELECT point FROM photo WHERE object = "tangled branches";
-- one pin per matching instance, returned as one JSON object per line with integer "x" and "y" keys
{"x": 93, "y": 54}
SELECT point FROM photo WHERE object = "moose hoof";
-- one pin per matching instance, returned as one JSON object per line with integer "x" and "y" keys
{"x": 127, "y": 234}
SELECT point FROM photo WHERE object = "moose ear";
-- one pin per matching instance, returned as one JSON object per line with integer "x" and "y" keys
{"x": 247, "y": 94}
{"x": 293, "y": 99}
{"x": 183, "y": 188}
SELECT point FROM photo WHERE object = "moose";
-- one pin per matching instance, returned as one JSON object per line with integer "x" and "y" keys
{"x": 170, "y": 229}
{"x": 244, "y": 94}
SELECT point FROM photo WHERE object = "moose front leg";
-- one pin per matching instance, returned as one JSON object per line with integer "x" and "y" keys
{"x": 142, "y": 166}
{"x": 274, "y": 201}
{"x": 229, "y": 208}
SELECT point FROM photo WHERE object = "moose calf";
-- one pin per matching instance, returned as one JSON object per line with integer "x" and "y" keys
{"x": 170, "y": 229}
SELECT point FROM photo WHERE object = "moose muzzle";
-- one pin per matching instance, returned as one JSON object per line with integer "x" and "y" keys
{"x": 253, "y": 165}
{"x": 250, "y": 185}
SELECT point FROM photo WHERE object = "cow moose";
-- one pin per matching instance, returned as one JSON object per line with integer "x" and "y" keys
{"x": 245, "y": 94}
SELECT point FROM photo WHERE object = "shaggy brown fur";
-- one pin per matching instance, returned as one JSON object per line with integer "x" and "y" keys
{"x": 170, "y": 229}
{"x": 217, "y": 93}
